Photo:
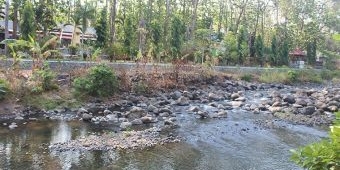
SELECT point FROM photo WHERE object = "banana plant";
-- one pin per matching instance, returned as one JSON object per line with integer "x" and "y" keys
{"x": 39, "y": 52}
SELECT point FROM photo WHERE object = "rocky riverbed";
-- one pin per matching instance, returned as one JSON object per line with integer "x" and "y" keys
{"x": 147, "y": 120}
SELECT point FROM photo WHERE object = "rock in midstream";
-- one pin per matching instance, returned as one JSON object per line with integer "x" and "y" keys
{"x": 121, "y": 141}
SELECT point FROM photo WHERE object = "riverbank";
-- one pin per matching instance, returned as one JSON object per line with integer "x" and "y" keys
{"x": 158, "y": 99}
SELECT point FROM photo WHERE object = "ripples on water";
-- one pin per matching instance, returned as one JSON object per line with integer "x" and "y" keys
{"x": 232, "y": 143}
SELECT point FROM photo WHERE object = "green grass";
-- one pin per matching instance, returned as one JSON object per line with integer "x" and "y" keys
{"x": 48, "y": 101}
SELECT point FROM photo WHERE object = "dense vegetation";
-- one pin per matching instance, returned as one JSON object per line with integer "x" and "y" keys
{"x": 229, "y": 32}
{"x": 101, "y": 81}
{"x": 324, "y": 155}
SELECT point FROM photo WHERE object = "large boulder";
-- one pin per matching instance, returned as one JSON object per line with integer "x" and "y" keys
{"x": 308, "y": 110}
{"x": 86, "y": 117}
{"x": 135, "y": 113}
{"x": 182, "y": 101}
{"x": 301, "y": 102}
{"x": 289, "y": 99}
{"x": 176, "y": 95}
{"x": 235, "y": 96}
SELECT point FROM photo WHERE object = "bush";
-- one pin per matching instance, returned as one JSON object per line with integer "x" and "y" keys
{"x": 43, "y": 80}
{"x": 3, "y": 89}
{"x": 292, "y": 75}
{"x": 73, "y": 49}
{"x": 115, "y": 52}
{"x": 247, "y": 77}
{"x": 322, "y": 155}
{"x": 101, "y": 81}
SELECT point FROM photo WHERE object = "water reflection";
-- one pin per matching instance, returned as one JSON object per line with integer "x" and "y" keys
{"x": 62, "y": 133}
{"x": 217, "y": 144}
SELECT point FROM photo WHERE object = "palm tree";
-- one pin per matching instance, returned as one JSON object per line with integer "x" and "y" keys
{"x": 82, "y": 16}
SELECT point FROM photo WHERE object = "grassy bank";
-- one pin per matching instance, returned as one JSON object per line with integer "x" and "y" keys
{"x": 291, "y": 76}
{"x": 47, "y": 89}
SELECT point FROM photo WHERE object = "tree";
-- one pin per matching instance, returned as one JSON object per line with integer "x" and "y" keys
{"x": 231, "y": 52}
{"x": 242, "y": 46}
{"x": 259, "y": 49}
{"x": 82, "y": 16}
{"x": 45, "y": 12}
{"x": 102, "y": 29}
{"x": 274, "y": 50}
{"x": 129, "y": 32}
{"x": 177, "y": 34}
{"x": 28, "y": 26}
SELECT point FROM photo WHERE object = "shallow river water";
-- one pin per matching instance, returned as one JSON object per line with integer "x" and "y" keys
{"x": 235, "y": 143}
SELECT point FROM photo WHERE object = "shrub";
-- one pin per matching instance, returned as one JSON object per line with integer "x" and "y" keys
{"x": 292, "y": 75}
{"x": 73, "y": 49}
{"x": 274, "y": 77}
{"x": 247, "y": 77}
{"x": 43, "y": 80}
{"x": 3, "y": 89}
{"x": 322, "y": 155}
{"x": 101, "y": 81}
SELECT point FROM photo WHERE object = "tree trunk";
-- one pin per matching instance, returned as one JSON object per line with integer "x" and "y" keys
{"x": 243, "y": 9}
{"x": 112, "y": 21}
{"x": 15, "y": 20}
{"x": 166, "y": 24}
{"x": 193, "y": 19}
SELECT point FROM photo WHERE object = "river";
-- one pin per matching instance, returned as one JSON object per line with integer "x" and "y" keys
{"x": 235, "y": 143}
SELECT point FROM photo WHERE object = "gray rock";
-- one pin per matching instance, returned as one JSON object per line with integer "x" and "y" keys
{"x": 106, "y": 112}
{"x": 275, "y": 94}
{"x": 86, "y": 117}
{"x": 222, "y": 114}
{"x": 111, "y": 117}
{"x": 13, "y": 125}
{"x": 203, "y": 114}
{"x": 241, "y": 99}
{"x": 143, "y": 105}
{"x": 152, "y": 108}
{"x": 220, "y": 106}
{"x": 333, "y": 108}
{"x": 235, "y": 96}
{"x": 253, "y": 107}
{"x": 176, "y": 95}
{"x": 165, "y": 110}
{"x": 82, "y": 110}
{"x": 297, "y": 106}
{"x": 289, "y": 99}
{"x": 173, "y": 119}
{"x": 333, "y": 103}
{"x": 275, "y": 109}
{"x": 308, "y": 110}
{"x": 183, "y": 101}
{"x": 237, "y": 104}
{"x": 301, "y": 102}
{"x": 169, "y": 122}
{"x": 213, "y": 104}
{"x": 194, "y": 109}
{"x": 147, "y": 119}
{"x": 135, "y": 113}
{"x": 19, "y": 118}
{"x": 164, "y": 114}
{"x": 137, "y": 122}
{"x": 276, "y": 104}
{"x": 258, "y": 95}
{"x": 125, "y": 125}
{"x": 213, "y": 97}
